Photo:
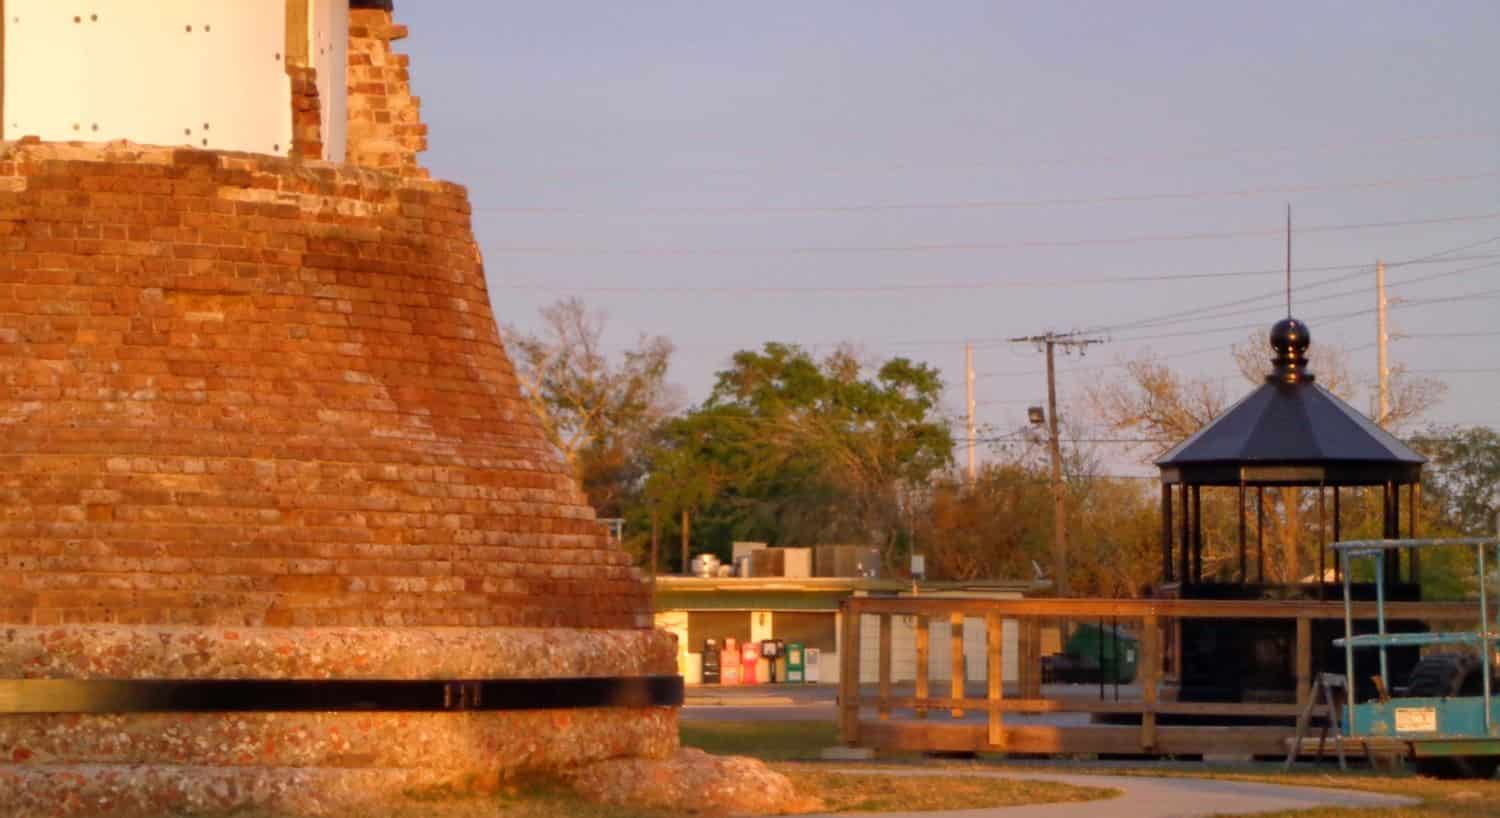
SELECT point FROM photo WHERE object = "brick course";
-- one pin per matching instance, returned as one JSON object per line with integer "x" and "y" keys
{"x": 244, "y": 390}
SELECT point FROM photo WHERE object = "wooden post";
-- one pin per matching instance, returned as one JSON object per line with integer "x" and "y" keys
{"x": 923, "y": 626}
{"x": 1033, "y": 659}
{"x": 1304, "y": 659}
{"x": 1023, "y": 651}
{"x": 995, "y": 675}
{"x": 885, "y": 667}
{"x": 849, "y": 677}
{"x": 1150, "y": 678}
{"x": 956, "y": 660}
{"x": 685, "y": 539}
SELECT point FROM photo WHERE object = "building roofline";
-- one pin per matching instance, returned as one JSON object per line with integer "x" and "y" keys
{"x": 837, "y": 585}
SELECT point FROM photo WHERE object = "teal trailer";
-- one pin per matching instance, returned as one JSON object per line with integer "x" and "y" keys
{"x": 1445, "y": 712}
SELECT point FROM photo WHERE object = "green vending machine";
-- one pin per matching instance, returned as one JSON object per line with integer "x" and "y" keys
{"x": 796, "y": 669}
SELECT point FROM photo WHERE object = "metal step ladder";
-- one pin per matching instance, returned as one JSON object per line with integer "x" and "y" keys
{"x": 1333, "y": 690}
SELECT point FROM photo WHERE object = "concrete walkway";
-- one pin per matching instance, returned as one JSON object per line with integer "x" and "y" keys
{"x": 1144, "y": 797}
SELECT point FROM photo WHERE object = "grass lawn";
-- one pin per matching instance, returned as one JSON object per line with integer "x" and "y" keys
{"x": 838, "y": 793}
{"x": 842, "y": 792}
{"x": 792, "y": 741}
{"x": 765, "y": 740}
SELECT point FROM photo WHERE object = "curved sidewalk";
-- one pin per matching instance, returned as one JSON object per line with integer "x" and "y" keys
{"x": 1146, "y": 797}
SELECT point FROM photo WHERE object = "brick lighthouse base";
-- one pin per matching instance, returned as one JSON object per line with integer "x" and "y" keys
{"x": 259, "y": 426}
{"x": 310, "y": 763}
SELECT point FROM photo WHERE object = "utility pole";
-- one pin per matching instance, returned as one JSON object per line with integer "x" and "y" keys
{"x": 969, "y": 382}
{"x": 685, "y": 537}
{"x": 1050, "y": 341}
{"x": 1382, "y": 338}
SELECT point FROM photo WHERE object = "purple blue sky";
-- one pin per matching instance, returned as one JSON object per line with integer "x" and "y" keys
{"x": 906, "y": 176}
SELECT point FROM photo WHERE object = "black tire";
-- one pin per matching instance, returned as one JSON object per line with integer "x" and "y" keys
{"x": 1439, "y": 676}
{"x": 1453, "y": 767}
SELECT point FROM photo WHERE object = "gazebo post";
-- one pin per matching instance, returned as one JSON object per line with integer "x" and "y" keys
{"x": 1338, "y": 535}
{"x": 1197, "y": 533}
{"x": 1186, "y": 578}
{"x": 1166, "y": 532}
{"x": 1414, "y": 569}
{"x": 1243, "y": 569}
{"x": 1393, "y": 529}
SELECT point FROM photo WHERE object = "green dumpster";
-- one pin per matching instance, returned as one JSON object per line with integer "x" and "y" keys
{"x": 1110, "y": 653}
{"x": 796, "y": 667}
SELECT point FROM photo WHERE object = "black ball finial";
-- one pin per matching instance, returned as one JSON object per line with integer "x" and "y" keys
{"x": 1290, "y": 339}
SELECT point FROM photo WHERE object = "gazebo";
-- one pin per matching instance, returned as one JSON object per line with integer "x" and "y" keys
{"x": 1289, "y": 432}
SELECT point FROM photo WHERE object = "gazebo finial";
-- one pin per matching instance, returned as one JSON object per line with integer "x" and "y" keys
{"x": 1290, "y": 339}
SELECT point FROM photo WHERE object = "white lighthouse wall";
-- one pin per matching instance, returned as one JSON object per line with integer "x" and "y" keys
{"x": 205, "y": 73}
{"x": 330, "y": 54}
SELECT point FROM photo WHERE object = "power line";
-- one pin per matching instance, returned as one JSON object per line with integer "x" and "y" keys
{"x": 1007, "y": 204}
{"x": 974, "y": 246}
{"x": 1213, "y": 314}
{"x": 1425, "y": 335}
{"x": 1072, "y": 160}
{"x": 1070, "y": 370}
{"x": 1361, "y": 269}
{"x": 1456, "y": 371}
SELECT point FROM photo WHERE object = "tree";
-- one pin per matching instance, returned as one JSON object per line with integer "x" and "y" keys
{"x": 598, "y": 413}
{"x": 994, "y": 528}
{"x": 1463, "y": 475}
{"x": 1155, "y": 403}
{"x": 797, "y": 451}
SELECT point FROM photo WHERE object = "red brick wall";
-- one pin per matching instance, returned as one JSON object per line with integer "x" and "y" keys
{"x": 240, "y": 390}
{"x": 307, "y": 113}
{"x": 385, "y": 125}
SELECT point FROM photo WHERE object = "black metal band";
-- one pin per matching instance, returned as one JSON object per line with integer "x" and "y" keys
{"x": 320, "y": 695}
{"x": 381, "y": 5}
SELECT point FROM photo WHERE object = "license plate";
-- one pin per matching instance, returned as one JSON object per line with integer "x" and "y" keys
{"x": 1416, "y": 720}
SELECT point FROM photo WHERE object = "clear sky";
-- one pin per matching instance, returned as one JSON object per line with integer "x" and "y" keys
{"x": 908, "y": 175}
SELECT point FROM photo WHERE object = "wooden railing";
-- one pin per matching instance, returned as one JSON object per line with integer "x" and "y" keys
{"x": 1154, "y": 621}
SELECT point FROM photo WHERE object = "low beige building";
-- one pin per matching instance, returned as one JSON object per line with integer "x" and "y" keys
{"x": 805, "y": 610}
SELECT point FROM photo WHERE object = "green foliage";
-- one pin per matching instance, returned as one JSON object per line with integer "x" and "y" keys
{"x": 796, "y": 451}
{"x": 1463, "y": 475}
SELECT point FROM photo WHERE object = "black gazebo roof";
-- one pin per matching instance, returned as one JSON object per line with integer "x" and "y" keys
{"x": 1291, "y": 431}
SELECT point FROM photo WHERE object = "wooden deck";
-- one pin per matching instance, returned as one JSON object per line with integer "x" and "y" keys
{"x": 940, "y": 720}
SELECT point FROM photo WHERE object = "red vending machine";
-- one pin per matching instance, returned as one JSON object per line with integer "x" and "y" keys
{"x": 749, "y": 656}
